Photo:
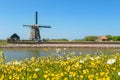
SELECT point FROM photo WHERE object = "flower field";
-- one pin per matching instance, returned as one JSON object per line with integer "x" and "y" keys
{"x": 69, "y": 66}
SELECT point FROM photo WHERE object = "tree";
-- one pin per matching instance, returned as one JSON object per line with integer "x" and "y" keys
{"x": 109, "y": 37}
{"x": 90, "y": 38}
{"x": 118, "y": 38}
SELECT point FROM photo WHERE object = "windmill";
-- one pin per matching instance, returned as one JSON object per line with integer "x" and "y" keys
{"x": 35, "y": 33}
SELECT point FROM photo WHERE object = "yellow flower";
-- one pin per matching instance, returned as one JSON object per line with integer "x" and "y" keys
{"x": 3, "y": 76}
{"x": 61, "y": 73}
{"x": 76, "y": 64}
{"x": 92, "y": 64}
{"x": 53, "y": 78}
{"x": 17, "y": 77}
{"x": 91, "y": 76}
{"x": 73, "y": 74}
{"x": 81, "y": 76}
{"x": 35, "y": 76}
{"x": 68, "y": 68}
{"x": 85, "y": 71}
{"x": 107, "y": 78}
{"x": 19, "y": 69}
{"x": 52, "y": 74}
{"x": 65, "y": 78}
{"x": 12, "y": 67}
{"x": 10, "y": 77}
{"x": 48, "y": 79}
{"x": 102, "y": 73}
{"x": 45, "y": 76}
{"x": 103, "y": 79}
{"x": 114, "y": 68}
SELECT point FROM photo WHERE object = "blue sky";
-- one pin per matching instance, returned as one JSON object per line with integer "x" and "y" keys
{"x": 70, "y": 19}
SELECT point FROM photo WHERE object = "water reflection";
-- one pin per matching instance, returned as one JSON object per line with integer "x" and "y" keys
{"x": 22, "y": 53}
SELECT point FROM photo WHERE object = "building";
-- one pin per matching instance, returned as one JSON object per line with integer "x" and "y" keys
{"x": 14, "y": 38}
{"x": 102, "y": 38}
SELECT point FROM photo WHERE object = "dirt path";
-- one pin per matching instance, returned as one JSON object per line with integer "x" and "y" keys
{"x": 60, "y": 45}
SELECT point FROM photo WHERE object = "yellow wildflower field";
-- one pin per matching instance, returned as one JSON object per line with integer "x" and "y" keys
{"x": 66, "y": 67}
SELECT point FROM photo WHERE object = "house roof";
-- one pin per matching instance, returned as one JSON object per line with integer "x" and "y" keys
{"x": 103, "y": 37}
{"x": 15, "y": 36}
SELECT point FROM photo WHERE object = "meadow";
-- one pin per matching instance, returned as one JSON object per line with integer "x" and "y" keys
{"x": 98, "y": 66}
{"x": 3, "y": 42}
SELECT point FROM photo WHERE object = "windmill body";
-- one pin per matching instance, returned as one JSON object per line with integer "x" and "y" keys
{"x": 35, "y": 32}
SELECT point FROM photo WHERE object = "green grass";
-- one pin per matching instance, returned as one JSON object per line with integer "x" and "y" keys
{"x": 3, "y": 42}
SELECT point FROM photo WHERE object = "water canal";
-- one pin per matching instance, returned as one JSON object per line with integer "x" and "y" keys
{"x": 22, "y": 53}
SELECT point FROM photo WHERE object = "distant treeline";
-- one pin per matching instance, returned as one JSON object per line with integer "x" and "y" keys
{"x": 86, "y": 38}
{"x": 113, "y": 38}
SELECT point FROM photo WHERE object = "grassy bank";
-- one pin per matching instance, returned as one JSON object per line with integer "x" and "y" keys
{"x": 3, "y": 42}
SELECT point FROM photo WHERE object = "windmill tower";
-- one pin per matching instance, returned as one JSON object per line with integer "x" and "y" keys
{"x": 35, "y": 32}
